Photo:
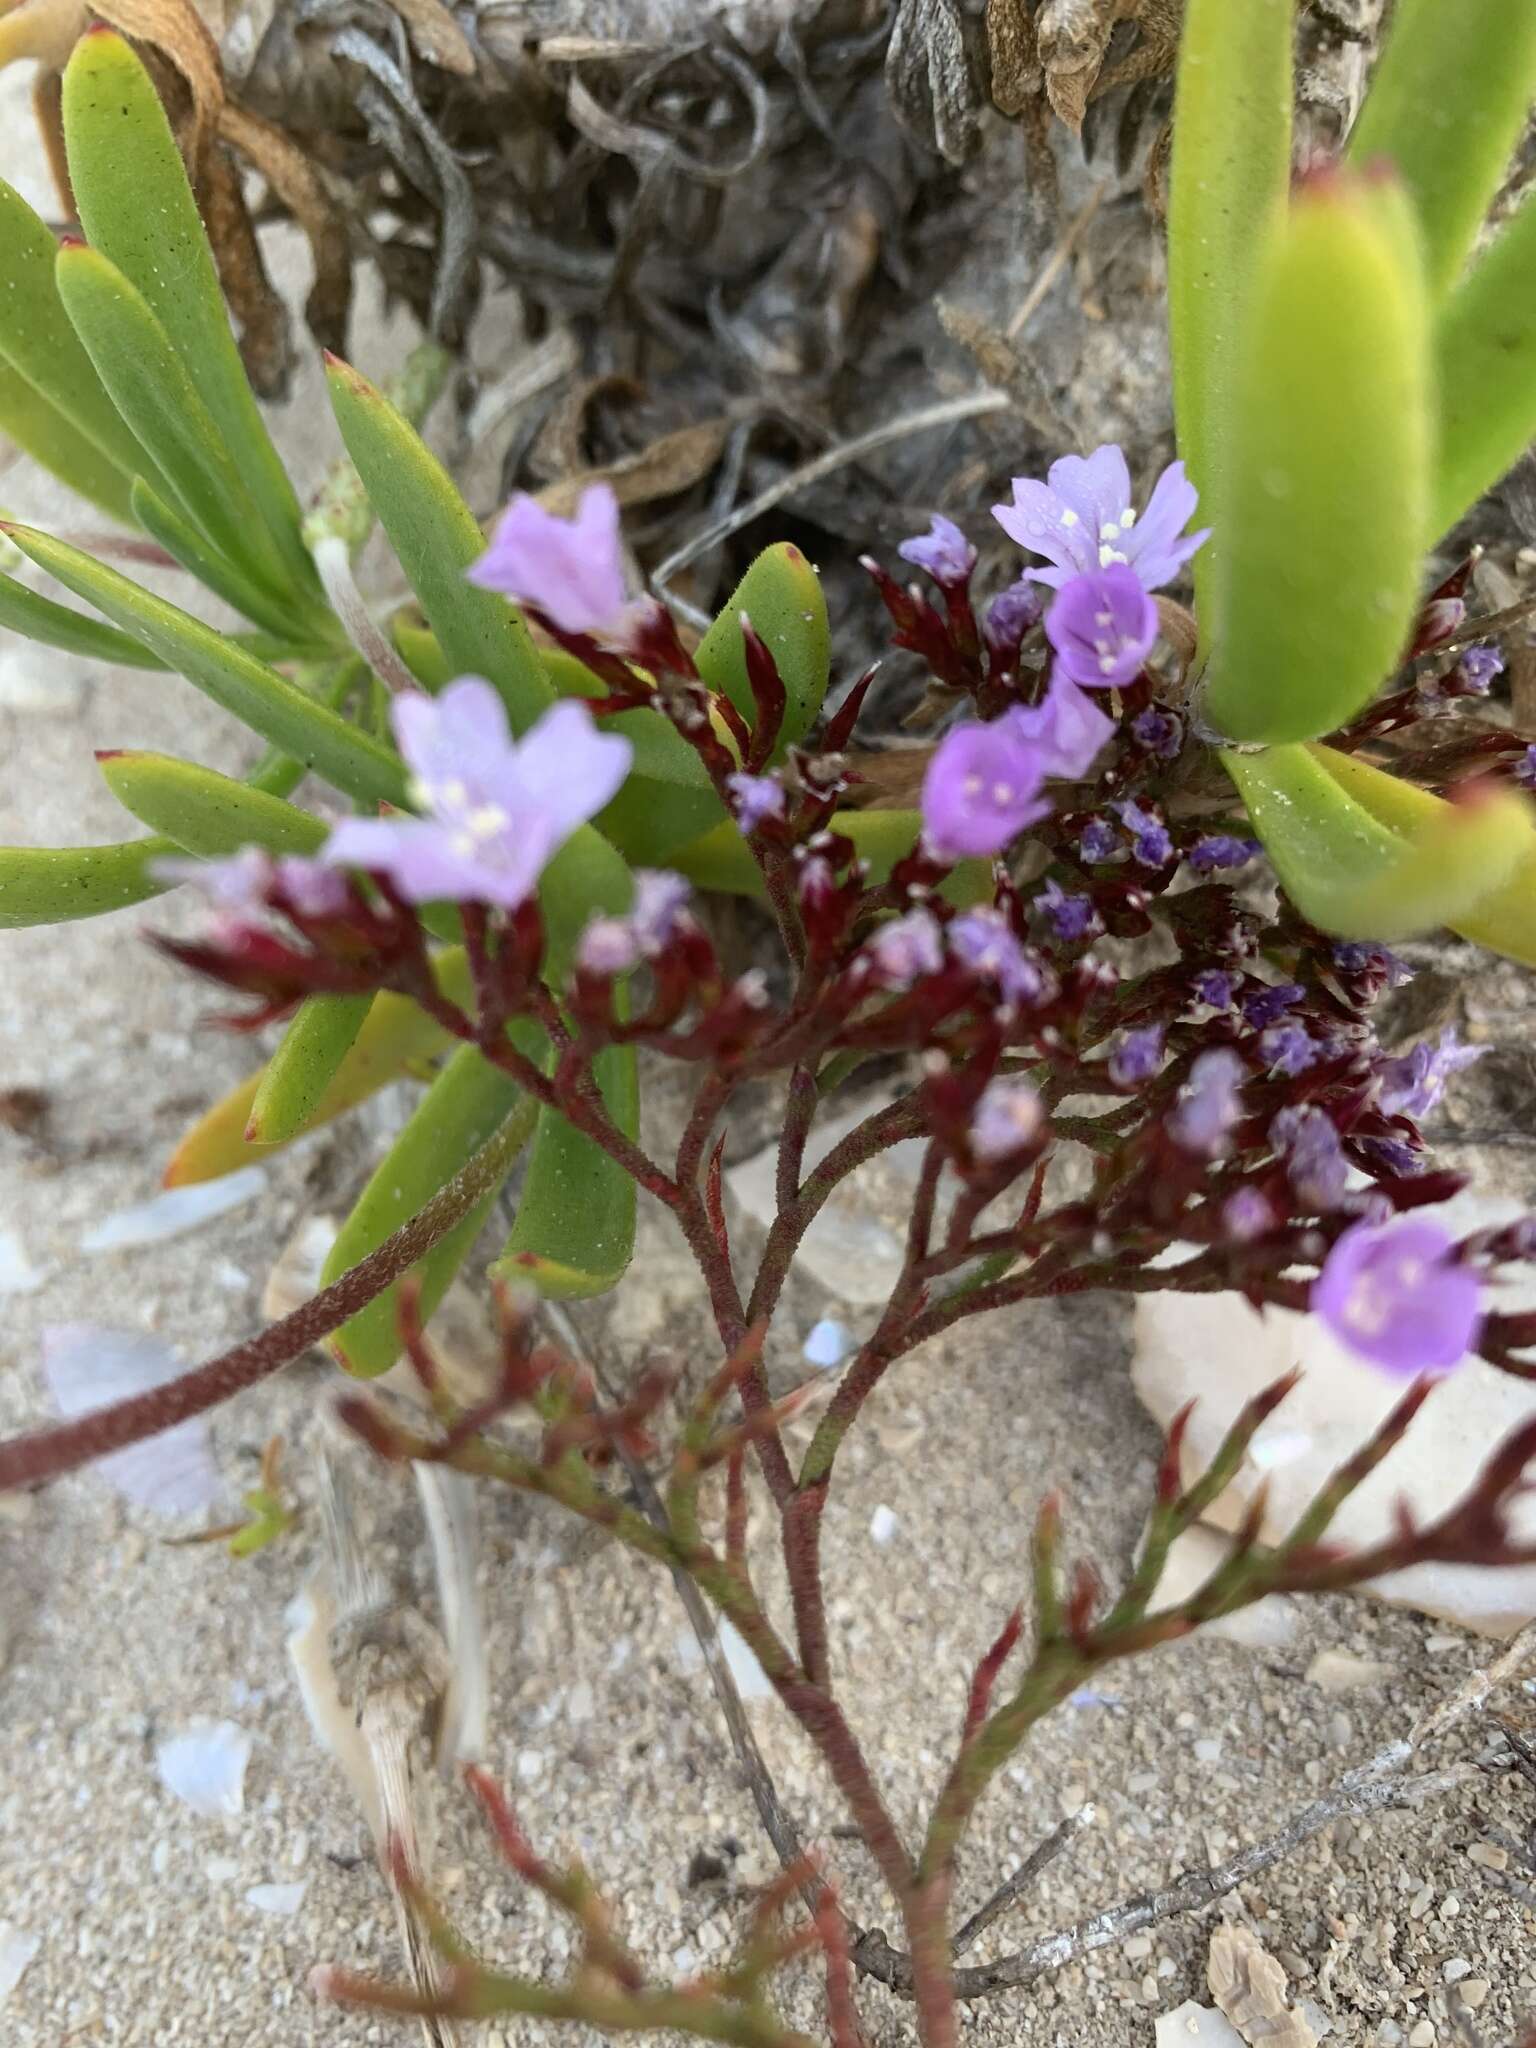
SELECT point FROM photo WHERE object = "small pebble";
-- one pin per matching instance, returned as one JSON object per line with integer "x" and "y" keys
{"x": 883, "y": 1524}
{"x": 1457, "y": 1968}
{"x": 1489, "y": 1855}
{"x": 828, "y": 1344}
{"x": 1138, "y": 1946}
{"x": 1472, "y": 1991}
{"x": 1208, "y": 1749}
{"x": 1423, "y": 2035}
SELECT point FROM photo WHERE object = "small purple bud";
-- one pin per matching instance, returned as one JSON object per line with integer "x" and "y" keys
{"x": 1102, "y": 627}
{"x": 1159, "y": 732}
{"x": 313, "y": 889}
{"x": 1221, "y": 850}
{"x": 613, "y": 945}
{"x": 1525, "y": 768}
{"x": 1099, "y": 842}
{"x": 1007, "y": 1120}
{"x": 1070, "y": 916}
{"x": 904, "y": 948}
{"x": 1269, "y": 1005}
{"x": 236, "y": 885}
{"x": 1439, "y": 620}
{"x": 984, "y": 941}
{"x": 943, "y": 551}
{"x": 1305, "y": 1138}
{"x": 1214, "y": 986}
{"x": 1208, "y": 1106}
{"x": 1289, "y": 1049}
{"x": 1150, "y": 843}
{"x": 1478, "y": 667}
{"x": 1246, "y": 1214}
{"x": 1391, "y": 1155}
{"x": 1137, "y": 1057}
{"x": 1361, "y": 957}
{"x": 1394, "y": 1294}
{"x": 755, "y": 799}
{"x": 1011, "y": 614}
{"x": 981, "y": 790}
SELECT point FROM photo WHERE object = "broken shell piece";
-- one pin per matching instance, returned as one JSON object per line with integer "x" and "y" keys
{"x": 205, "y": 1768}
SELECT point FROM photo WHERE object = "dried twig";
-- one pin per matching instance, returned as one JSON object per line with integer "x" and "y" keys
{"x": 1013, "y": 1888}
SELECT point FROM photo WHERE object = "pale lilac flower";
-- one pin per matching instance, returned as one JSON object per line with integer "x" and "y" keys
{"x": 1150, "y": 842}
{"x": 1137, "y": 1057}
{"x": 981, "y": 790}
{"x": 572, "y": 569}
{"x": 1413, "y": 1085}
{"x": 1208, "y": 1104}
{"x": 613, "y": 945}
{"x": 1393, "y": 1293}
{"x": 1269, "y": 1005}
{"x": 498, "y": 809}
{"x": 1245, "y": 1215}
{"x": 943, "y": 551}
{"x": 1305, "y": 1138}
{"x": 984, "y": 941}
{"x": 1006, "y": 1119}
{"x": 1160, "y": 732}
{"x": 1289, "y": 1049}
{"x": 903, "y": 948}
{"x": 1525, "y": 768}
{"x": 1071, "y": 916}
{"x": 755, "y": 799}
{"x": 1102, "y": 627}
{"x": 240, "y": 884}
{"x": 1082, "y": 519}
{"x": 1215, "y": 986}
{"x": 1478, "y": 667}
{"x": 1099, "y": 842}
{"x": 1066, "y": 726}
{"x": 1221, "y": 850}
{"x": 1011, "y": 614}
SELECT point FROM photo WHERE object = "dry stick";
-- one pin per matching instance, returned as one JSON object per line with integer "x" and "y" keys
{"x": 45, "y": 1454}
{"x": 1029, "y": 305}
{"x": 1012, "y": 1888}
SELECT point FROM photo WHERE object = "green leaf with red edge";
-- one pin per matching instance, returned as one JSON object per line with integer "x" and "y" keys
{"x": 782, "y": 596}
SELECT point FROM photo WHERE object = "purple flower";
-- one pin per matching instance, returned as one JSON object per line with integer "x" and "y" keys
{"x": 1159, "y": 732}
{"x": 1214, "y": 986}
{"x": 1289, "y": 1049}
{"x": 572, "y": 569}
{"x": 943, "y": 551}
{"x": 1137, "y": 1057}
{"x": 613, "y": 945}
{"x": 241, "y": 885}
{"x": 1099, "y": 842}
{"x": 1361, "y": 956}
{"x": 497, "y": 809}
{"x": 1414, "y": 1084}
{"x": 1082, "y": 519}
{"x": 984, "y": 941}
{"x": 981, "y": 790}
{"x": 905, "y": 947}
{"x": 1478, "y": 667}
{"x": 1070, "y": 916}
{"x": 1208, "y": 1104}
{"x": 1268, "y": 1005}
{"x": 1245, "y": 1215}
{"x": 1149, "y": 836}
{"x": 1011, "y": 614}
{"x": 1102, "y": 627}
{"x": 755, "y": 798}
{"x": 1391, "y": 1155}
{"x": 1066, "y": 726}
{"x": 1393, "y": 1293}
{"x": 1221, "y": 850}
{"x": 1305, "y": 1138}
{"x": 1525, "y": 768}
{"x": 1006, "y": 1119}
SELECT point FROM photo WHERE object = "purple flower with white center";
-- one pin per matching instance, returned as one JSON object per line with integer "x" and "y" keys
{"x": 984, "y": 941}
{"x": 1102, "y": 627}
{"x": 1070, "y": 916}
{"x": 1289, "y": 1049}
{"x": 1246, "y": 1214}
{"x": 1209, "y": 1103}
{"x": 981, "y": 790}
{"x": 498, "y": 809}
{"x": 755, "y": 799}
{"x": 1066, "y": 726}
{"x": 1099, "y": 842}
{"x": 1305, "y": 1138}
{"x": 1082, "y": 519}
{"x": 1525, "y": 768}
{"x": 1478, "y": 667}
{"x": 1160, "y": 732}
{"x": 613, "y": 945}
{"x": 943, "y": 551}
{"x": 1221, "y": 850}
{"x": 904, "y": 948}
{"x": 1150, "y": 843}
{"x": 1137, "y": 1057}
{"x": 1011, "y": 614}
{"x": 1395, "y": 1294}
{"x": 1414, "y": 1084}
{"x": 572, "y": 569}
{"x": 1269, "y": 1005}
{"x": 1006, "y": 1120}
{"x": 1215, "y": 986}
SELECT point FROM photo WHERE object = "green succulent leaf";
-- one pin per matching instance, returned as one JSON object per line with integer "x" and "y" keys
{"x": 1231, "y": 168}
{"x": 1447, "y": 103}
{"x": 56, "y": 884}
{"x": 200, "y": 558}
{"x": 266, "y": 701}
{"x": 468, "y": 1102}
{"x": 1504, "y": 920}
{"x": 55, "y": 625}
{"x": 206, "y": 813}
{"x": 1485, "y": 362}
{"x": 137, "y": 208}
{"x": 1350, "y": 874}
{"x": 306, "y": 1062}
{"x": 575, "y": 1230}
{"x": 782, "y": 595}
{"x": 1327, "y": 494}
{"x": 40, "y": 430}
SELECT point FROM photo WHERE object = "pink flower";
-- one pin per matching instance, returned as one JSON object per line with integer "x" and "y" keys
{"x": 498, "y": 809}
{"x": 1102, "y": 627}
{"x": 1082, "y": 520}
{"x": 981, "y": 789}
{"x": 571, "y": 569}
{"x": 1393, "y": 1293}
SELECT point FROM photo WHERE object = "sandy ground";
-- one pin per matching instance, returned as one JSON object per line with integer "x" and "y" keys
{"x": 604, "y": 1727}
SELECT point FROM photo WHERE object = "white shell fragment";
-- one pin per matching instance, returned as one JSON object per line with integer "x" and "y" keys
{"x": 87, "y": 1367}
{"x": 18, "y": 1275}
{"x": 281, "y": 1900}
{"x": 205, "y": 1768}
{"x": 17, "y": 1948}
{"x": 174, "y": 1212}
